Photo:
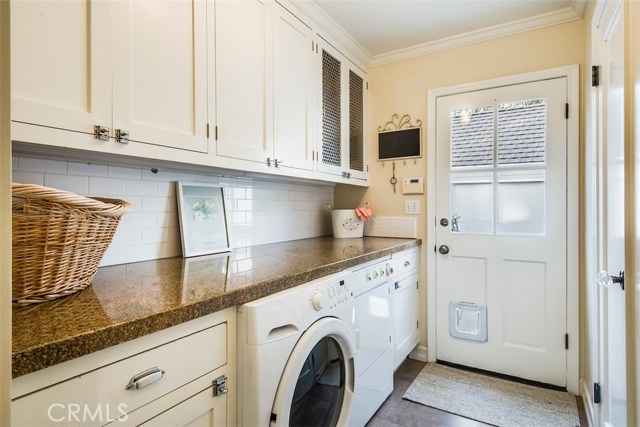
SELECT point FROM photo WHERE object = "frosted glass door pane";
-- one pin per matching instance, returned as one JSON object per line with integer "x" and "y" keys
{"x": 520, "y": 208}
{"x": 472, "y": 207}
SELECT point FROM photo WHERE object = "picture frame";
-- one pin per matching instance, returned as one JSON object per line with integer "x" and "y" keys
{"x": 203, "y": 220}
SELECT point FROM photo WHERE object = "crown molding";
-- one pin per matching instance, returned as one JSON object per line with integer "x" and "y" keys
{"x": 544, "y": 20}
{"x": 332, "y": 32}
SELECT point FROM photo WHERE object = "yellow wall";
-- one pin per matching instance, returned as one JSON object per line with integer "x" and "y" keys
{"x": 402, "y": 87}
{"x": 5, "y": 219}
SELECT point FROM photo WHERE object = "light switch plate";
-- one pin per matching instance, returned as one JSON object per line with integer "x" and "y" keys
{"x": 412, "y": 207}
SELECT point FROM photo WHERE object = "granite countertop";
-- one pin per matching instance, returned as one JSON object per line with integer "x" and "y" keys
{"x": 132, "y": 300}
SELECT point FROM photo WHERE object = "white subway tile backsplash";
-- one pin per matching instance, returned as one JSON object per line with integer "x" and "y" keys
{"x": 141, "y": 253}
{"x": 159, "y": 175}
{"x": 210, "y": 179}
{"x": 258, "y": 211}
{"x": 88, "y": 169}
{"x": 167, "y": 189}
{"x": 141, "y": 188}
{"x": 379, "y": 226}
{"x": 127, "y": 237}
{"x": 141, "y": 220}
{"x": 104, "y": 186}
{"x": 160, "y": 235}
{"x": 32, "y": 164}
{"x": 27, "y": 177}
{"x": 183, "y": 176}
{"x": 169, "y": 249}
{"x": 122, "y": 172}
{"x": 74, "y": 184}
{"x": 158, "y": 204}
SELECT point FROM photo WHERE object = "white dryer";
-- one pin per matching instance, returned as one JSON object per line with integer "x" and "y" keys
{"x": 296, "y": 356}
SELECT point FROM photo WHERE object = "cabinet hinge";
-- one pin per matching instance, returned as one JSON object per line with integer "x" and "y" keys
{"x": 595, "y": 75}
{"x": 566, "y": 341}
{"x": 596, "y": 393}
{"x": 389, "y": 338}
{"x": 416, "y": 284}
{"x": 417, "y": 324}
{"x": 566, "y": 110}
{"x": 207, "y": 130}
{"x": 367, "y": 85}
{"x": 216, "y": 132}
{"x": 367, "y": 168}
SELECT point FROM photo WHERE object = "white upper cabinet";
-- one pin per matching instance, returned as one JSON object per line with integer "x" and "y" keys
{"x": 264, "y": 84}
{"x": 248, "y": 85}
{"x": 134, "y": 66}
{"x": 293, "y": 91}
{"x": 343, "y": 116}
{"x": 61, "y": 64}
{"x": 160, "y": 72}
{"x": 241, "y": 76}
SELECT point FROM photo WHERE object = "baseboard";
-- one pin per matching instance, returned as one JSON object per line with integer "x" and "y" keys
{"x": 419, "y": 353}
{"x": 587, "y": 400}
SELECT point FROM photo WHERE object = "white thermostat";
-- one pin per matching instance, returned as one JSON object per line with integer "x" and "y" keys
{"x": 413, "y": 185}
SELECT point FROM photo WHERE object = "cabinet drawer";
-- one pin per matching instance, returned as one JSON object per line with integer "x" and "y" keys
{"x": 405, "y": 262}
{"x": 101, "y": 395}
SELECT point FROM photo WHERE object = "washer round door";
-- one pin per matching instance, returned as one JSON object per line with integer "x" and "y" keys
{"x": 317, "y": 383}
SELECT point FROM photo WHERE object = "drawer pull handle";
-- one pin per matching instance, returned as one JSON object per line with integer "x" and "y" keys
{"x": 145, "y": 378}
{"x": 407, "y": 263}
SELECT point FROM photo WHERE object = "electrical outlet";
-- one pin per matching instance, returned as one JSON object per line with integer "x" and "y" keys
{"x": 412, "y": 207}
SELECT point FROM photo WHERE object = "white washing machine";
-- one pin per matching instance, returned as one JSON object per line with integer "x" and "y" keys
{"x": 296, "y": 356}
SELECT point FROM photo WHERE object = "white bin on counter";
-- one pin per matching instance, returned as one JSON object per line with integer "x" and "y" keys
{"x": 346, "y": 223}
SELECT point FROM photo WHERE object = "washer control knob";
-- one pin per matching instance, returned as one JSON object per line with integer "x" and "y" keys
{"x": 318, "y": 300}
{"x": 368, "y": 277}
{"x": 375, "y": 274}
{"x": 381, "y": 271}
{"x": 389, "y": 270}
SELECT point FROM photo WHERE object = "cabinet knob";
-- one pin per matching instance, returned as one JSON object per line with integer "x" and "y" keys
{"x": 277, "y": 162}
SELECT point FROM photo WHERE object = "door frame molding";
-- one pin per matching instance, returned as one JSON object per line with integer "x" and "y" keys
{"x": 572, "y": 73}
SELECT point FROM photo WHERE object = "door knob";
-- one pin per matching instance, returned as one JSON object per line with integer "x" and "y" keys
{"x": 443, "y": 249}
{"x": 605, "y": 280}
{"x": 444, "y": 222}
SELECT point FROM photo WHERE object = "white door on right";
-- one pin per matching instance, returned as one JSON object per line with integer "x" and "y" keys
{"x": 501, "y": 205}
{"x": 608, "y": 43}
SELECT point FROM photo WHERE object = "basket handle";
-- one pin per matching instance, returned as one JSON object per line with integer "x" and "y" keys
{"x": 32, "y": 191}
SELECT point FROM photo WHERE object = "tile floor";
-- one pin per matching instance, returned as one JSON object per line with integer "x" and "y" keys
{"x": 396, "y": 412}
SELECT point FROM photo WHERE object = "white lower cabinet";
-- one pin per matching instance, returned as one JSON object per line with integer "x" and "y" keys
{"x": 177, "y": 377}
{"x": 405, "y": 304}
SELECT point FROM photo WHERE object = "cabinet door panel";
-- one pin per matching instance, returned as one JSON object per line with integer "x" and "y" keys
{"x": 200, "y": 410}
{"x": 242, "y": 71}
{"x": 60, "y": 64}
{"x": 331, "y": 106}
{"x": 405, "y": 317}
{"x": 159, "y": 78}
{"x": 358, "y": 157}
{"x": 292, "y": 91}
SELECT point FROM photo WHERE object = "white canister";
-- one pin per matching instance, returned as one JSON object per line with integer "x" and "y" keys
{"x": 346, "y": 223}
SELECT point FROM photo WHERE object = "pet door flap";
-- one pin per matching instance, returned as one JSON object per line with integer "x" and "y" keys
{"x": 468, "y": 321}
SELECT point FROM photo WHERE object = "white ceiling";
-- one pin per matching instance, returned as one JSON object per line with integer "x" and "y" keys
{"x": 383, "y": 27}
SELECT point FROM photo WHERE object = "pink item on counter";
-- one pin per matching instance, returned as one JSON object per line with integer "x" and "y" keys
{"x": 365, "y": 212}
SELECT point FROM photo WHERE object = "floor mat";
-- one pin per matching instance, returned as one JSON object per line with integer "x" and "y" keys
{"x": 492, "y": 400}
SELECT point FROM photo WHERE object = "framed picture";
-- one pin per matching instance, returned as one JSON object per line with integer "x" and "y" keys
{"x": 203, "y": 219}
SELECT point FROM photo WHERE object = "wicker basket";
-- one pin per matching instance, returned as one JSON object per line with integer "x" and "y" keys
{"x": 58, "y": 241}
